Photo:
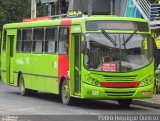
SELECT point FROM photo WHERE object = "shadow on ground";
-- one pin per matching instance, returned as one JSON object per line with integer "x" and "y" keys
{"x": 82, "y": 103}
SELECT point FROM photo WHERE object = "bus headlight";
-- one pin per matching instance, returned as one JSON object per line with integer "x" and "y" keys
{"x": 146, "y": 82}
{"x": 93, "y": 82}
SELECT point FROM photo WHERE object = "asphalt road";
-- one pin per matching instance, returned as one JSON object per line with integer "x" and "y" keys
{"x": 48, "y": 107}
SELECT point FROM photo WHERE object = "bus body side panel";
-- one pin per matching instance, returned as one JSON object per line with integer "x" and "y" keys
{"x": 44, "y": 72}
{"x": 23, "y": 64}
{"x": 0, "y": 49}
{"x": 40, "y": 71}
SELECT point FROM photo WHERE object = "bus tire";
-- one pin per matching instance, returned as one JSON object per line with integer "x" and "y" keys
{"x": 124, "y": 103}
{"x": 65, "y": 93}
{"x": 23, "y": 90}
{"x": 33, "y": 92}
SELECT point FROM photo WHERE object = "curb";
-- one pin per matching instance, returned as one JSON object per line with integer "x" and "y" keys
{"x": 146, "y": 104}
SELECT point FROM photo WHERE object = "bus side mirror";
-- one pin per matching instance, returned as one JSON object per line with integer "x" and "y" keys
{"x": 83, "y": 46}
{"x": 156, "y": 54}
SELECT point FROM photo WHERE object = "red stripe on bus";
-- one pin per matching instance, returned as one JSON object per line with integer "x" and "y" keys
{"x": 63, "y": 66}
{"x": 119, "y": 84}
{"x": 37, "y": 19}
{"x": 66, "y": 22}
{"x": 63, "y": 59}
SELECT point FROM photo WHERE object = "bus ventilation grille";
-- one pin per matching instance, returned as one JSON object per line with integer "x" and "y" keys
{"x": 119, "y": 78}
{"x": 119, "y": 93}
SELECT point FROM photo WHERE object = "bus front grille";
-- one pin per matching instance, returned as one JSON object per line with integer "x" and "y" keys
{"x": 109, "y": 93}
{"x": 119, "y": 78}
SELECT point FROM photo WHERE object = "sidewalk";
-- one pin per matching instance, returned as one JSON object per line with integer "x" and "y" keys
{"x": 153, "y": 102}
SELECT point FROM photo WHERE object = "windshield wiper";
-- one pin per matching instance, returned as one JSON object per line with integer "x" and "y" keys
{"x": 109, "y": 38}
{"x": 127, "y": 40}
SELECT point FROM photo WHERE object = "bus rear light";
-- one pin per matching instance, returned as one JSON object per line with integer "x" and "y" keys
{"x": 119, "y": 84}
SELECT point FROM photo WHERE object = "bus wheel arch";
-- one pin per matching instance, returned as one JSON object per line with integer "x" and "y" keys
{"x": 60, "y": 84}
{"x": 21, "y": 83}
{"x": 18, "y": 79}
{"x": 65, "y": 91}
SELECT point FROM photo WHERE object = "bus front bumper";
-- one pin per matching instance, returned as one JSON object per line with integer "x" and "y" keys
{"x": 93, "y": 92}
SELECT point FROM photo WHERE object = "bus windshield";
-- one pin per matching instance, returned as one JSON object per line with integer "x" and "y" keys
{"x": 131, "y": 52}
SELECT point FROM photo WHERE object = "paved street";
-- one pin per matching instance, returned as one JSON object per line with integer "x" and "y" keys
{"x": 11, "y": 103}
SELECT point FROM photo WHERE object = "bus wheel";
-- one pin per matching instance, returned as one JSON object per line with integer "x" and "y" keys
{"x": 65, "y": 93}
{"x": 33, "y": 92}
{"x": 23, "y": 90}
{"x": 124, "y": 102}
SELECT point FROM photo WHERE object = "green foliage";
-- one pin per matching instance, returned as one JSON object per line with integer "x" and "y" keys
{"x": 14, "y": 10}
{"x": 17, "y": 10}
{"x": 40, "y": 10}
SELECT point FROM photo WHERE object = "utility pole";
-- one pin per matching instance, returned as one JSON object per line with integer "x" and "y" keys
{"x": 90, "y": 6}
{"x": 112, "y": 6}
{"x": 48, "y": 9}
{"x": 33, "y": 9}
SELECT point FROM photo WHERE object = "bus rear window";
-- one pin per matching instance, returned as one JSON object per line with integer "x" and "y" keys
{"x": 116, "y": 25}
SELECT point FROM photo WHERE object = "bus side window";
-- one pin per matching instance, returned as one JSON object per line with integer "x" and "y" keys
{"x": 4, "y": 40}
{"x": 38, "y": 38}
{"x": 18, "y": 45}
{"x": 63, "y": 40}
{"x": 26, "y": 40}
{"x": 51, "y": 40}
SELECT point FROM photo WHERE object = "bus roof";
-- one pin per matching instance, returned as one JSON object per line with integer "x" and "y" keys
{"x": 76, "y": 21}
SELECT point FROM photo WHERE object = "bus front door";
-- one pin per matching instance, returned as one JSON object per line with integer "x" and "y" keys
{"x": 77, "y": 64}
{"x": 10, "y": 53}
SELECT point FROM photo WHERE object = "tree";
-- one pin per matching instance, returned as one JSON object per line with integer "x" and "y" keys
{"x": 14, "y": 10}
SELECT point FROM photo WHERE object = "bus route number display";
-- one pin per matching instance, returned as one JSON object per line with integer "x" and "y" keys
{"x": 116, "y": 25}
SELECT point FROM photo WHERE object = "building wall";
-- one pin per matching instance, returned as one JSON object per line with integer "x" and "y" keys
{"x": 127, "y": 9}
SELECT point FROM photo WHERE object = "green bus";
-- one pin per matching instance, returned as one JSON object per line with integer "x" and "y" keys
{"x": 96, "y": 57}
{"x": 0, "y": 46}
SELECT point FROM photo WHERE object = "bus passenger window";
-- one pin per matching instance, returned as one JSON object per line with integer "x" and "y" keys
{"x": 50, "y": 40}
{"x": 63, "y": 41}
{"x": 26, "y": 40}
{"x": 38, "y": 38}
{"x": 4, "y": 40}
{"x": 18, "y": 45}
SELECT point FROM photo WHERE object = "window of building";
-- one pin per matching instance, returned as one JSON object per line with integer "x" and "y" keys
{"x": 18, "y": 45}
{"x": 51, "y": 40}
{"x": 38, "y": 40}
{"x": 63, "y": 40}
{"x": 26, "y": 40}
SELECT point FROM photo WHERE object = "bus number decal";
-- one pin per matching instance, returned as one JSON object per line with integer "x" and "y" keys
{"x": 27, "y": 60}
{"x": 19, "y": 62}
{"x": 94, "y": 92}
{"x": 55, "y": 64}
